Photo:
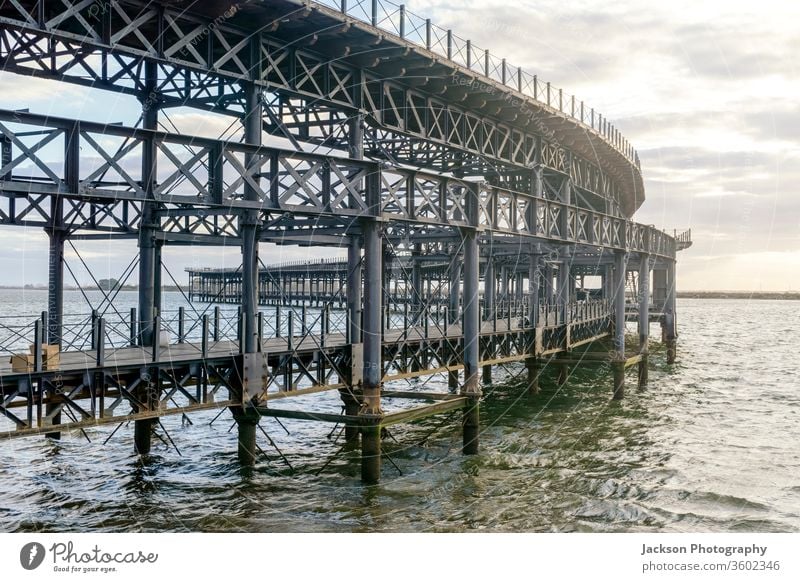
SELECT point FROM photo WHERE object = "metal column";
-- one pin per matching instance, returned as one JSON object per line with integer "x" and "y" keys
{"x": 534, "y": 285}
{"x": 471, "y": 387}
{"x": 670, "y": 315}
{"x": 147, "y": 257}
{"x": 453, "y": 296}
{"x": 488, "y": 305}
{"x": 349, "y": 394}
{"x": 644, "y": 316}
{"x": 372, "y": 371}
{"x": 618, "y": 364}
{"x": 247, "y": 418}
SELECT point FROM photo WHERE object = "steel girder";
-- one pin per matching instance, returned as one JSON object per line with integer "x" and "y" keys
{"x": 201, "y": 181}
{"x": 202, "y": 60}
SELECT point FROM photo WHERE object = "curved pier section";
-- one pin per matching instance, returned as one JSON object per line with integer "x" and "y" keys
{"x": 483, "y": 219}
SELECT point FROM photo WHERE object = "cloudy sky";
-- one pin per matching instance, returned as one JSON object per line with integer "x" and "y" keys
{"x": 708, "y": 92}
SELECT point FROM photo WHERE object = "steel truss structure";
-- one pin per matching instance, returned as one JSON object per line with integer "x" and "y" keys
{"x": 470, "y": 198}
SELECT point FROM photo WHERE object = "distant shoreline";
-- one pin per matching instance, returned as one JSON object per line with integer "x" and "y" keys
{"x": 786, "y": 296}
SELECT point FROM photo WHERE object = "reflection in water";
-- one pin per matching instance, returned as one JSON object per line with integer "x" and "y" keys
{"x": 711, "y": 445}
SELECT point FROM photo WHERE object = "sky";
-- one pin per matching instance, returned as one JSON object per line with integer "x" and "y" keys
{"x": 707, "y": 92}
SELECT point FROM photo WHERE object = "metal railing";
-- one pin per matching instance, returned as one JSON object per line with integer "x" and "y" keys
{"x": 102, "y": 334}
{"x": 395, "y": 19}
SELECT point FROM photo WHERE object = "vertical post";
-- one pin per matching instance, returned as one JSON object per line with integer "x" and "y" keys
{"x": 488, "y": 305}
{"x": 451, "y": 314}
{"x": 245, "y": 417}
{"x": 250, "y": 222}
{"x": 204, "y": 337}
{"x": 181, "y": 324}
{"x": 563, "y": 298}
{"x": 670, "y": 322}
{"x": 618, "y": 363}
{"x": 100, "y": 348}
{"x": 644, "y": 316}
{"x": 57, "y": 234}
{"x": 132, "y": 323}
{"x": 531, "y": 363}
{"x": 471, "y": 387}
{"x": 371, "y": 412}
{"x": 149, "y": 224}
{"x": 453, "y": 292}
{"x": 157, "y": 280}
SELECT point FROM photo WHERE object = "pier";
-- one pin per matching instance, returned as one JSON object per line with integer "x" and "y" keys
{"x": 482, "y": 218}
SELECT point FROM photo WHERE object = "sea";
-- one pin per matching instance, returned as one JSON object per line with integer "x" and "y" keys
{"x": 711, "y": 445}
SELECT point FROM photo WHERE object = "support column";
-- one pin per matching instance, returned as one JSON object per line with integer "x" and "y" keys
{"x": 453, "y": 296}
{"x": 148, "y": 229}
{"x": 354, "y": 289}
{"x": 349, "y": 395}
{"x": 371, "y": 408}
{"x": 504, "y": 296}
{"x": 246, "y": 418}
{"x": 371, "y": 412}
{"x": 471, "y": 387}
{"x": 644, "y": 317}
{"x": 149, "y": 225}
{"x": 618, "y": 363}
{"x": 548, "y": 283}
{"x": 534, "y": 285}
{"x": 563, "y": 298}
{"x": 488, "y": 305}
{"x": 454, "y": 292}
{"x": 55, "y": 300}
{"x": 670, "y": 315}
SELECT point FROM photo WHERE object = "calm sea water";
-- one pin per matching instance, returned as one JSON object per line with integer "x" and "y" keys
{"x": 712, "y": 445}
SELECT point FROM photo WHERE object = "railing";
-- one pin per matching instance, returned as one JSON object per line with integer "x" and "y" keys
{"x": 397, "y": 20}
{"x": 682, "y": 239}
{"x": 102, "y": 334}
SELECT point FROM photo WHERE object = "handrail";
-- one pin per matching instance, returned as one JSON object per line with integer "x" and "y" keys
{"x": 397, "y": 20}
